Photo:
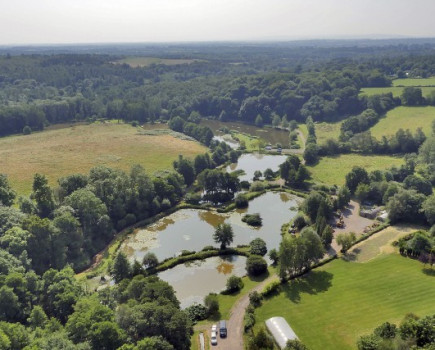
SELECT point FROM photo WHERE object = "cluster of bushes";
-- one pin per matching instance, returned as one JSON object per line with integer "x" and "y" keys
{"x": 311, "y": 149}
{"x": 201, "y": 133}
{"x": 413, "y": 333}
{"x": 253, "y": 219}
{"x": 294, "y": 172}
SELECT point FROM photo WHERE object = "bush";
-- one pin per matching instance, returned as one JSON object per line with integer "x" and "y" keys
{"x": 249, "y": 321}
{"x": 211, "y": 303}
{"x": 255, "y": 299}
{"x": 253, "y": 219}
{"x": 258, "y": 247}
{"x": 244, "y": 185}
{"x": 256, "y": 265}
{"x": 257, "y": 186}
{"x": 234, "y": 284}
{"x": 300, "y": 221}
{"x": 208, "y": 247}
{"x": 193, "y": 198}
{"x": 196, "y": 312}
{"x": 27, "y": 130}
{"x": 241, "y": 201}
{"x": 274, "y": 256}
{"x": 185, "y": 252}
{"x": 272, "y": 287}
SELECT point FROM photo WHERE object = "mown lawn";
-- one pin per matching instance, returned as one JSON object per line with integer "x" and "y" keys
{"x": 406, "y": 118}
{"x": 77, "y": 149}
{"x": 414, "y": 82}
{"x": 335, "y": 304}
{"x": 332, "y": 170}
{"x": 395, "y": 90}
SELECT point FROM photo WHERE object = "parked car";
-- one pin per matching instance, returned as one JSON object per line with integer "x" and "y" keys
{"x": 223, "y": 328}
{"x": 213, "y": 338}
{"x": 214, "y": 328}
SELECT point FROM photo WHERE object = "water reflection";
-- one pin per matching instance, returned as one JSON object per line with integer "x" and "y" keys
{"x": 252, "y": 162}
{"x": 191, "y": 229}
{"x": 192, "y": 282}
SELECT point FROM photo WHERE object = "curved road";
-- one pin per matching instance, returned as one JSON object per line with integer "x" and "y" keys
{"x": 234, "y": 340}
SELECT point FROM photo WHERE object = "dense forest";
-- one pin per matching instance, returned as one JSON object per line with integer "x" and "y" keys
{"x": 47, "y": 237}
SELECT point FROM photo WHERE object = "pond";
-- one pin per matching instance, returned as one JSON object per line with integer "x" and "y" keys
{"x": 250, "y": 162}
{"x": 270, "y": 135}
{"x": 194, "y": 280}
{"x": 192, "y": 229}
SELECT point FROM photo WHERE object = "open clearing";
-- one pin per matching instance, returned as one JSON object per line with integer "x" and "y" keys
{"x": 414, "y": 82}
{"x": 148, "y": 61}
{"x": 406, "y": 118}
{"x": 77, "y": 149}
{"x": 326, "y": 131}
{"x": 332, "y": 170}
{"x": 395, "y": 90}
{"x": 379, "y": 243}
{"x": 333, "y": 305}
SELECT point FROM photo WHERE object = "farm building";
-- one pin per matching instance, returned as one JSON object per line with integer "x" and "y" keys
{"x": 280, "y": 330}
{"x": 370, "y": 213}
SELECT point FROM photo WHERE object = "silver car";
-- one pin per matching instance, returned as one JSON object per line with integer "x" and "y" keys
{"x": 213, "y": 338}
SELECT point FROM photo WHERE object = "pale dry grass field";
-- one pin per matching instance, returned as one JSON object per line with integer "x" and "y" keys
{"x": 77, "y": 149}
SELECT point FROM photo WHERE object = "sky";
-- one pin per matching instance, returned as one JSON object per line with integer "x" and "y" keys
{"x": 113, "y": 21}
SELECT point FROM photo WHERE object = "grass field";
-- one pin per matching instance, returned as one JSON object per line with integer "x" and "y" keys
{"x": 332, "y": 170}
{"x": 326, "y": 131}
{"x": 77, "y": 149}
{"x": 147, "y": 61}
{"x": 335, "y": 304}
{"x": 414, "y": 82}
{"x": 406, "y": 118}
{"x": 395, "y": 90}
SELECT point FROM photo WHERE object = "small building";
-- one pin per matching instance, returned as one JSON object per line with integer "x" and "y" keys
{"x": 280, "y": 330}
{"x": 370, "y": 213}
{"x": 383, "y": 216}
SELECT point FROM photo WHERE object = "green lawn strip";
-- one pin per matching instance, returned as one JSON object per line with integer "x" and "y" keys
{"x": 395, "y": 90}
{"x": 333, "y": 305}
{"x": 332, "y": 170}
{"x": 406, "y": 118}
{"x": 414, "y": 82}
{"x": 326, "y": 131}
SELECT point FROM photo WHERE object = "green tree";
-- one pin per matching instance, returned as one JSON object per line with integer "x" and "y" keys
{"x": 224, "y": 235}
{"x": 43, "y": 195}
{"x": 311, "y": 153}
{"x": 121, "y": 267}
{"x": 7, "y": 194}
{"x": 259, "y": 121}
{"x": 276, "y": 120}
{"x": 258, "y": 247}
{"x": 234, "y": 284}
{"x": 428, "y": 208}
{"x": 37, "y": 318}
{"x": 261, "y": 341}
{"x": 255, "y": 265}
{"x": 211, "y": 302}
{"x": 405, "y": 206}
{"x": 186, "y": 169}
{"x": 356, "y": 176}
{"x": 346, "y": 240}
{"x": 150, "y": 260}
{"x": 106, "y": 335}
{"x": 362, "y": 192}
{"x": 295, "y": 344}
{"x": 343, "y": 197}
{"x": 274, "y": 256}
{"x": 153, "y": 343}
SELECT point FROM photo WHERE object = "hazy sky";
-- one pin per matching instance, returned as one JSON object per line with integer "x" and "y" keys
{"x": 91, "y": 21}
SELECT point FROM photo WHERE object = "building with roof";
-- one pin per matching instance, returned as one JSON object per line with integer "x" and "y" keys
{"x": 280, "y": 330}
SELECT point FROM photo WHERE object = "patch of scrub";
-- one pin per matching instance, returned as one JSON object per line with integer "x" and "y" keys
{"x": 379, "y": 243}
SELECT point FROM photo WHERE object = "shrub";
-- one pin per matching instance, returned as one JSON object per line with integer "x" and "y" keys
{"x": 300, "y": 221}
{"x": 249, "y": 321}
{"x": 255, "y": 299}
{"x": 196, "y": 312}
{"x": 274, "y": 256}
{"x": 207, "y": 248}
{"x": 257, "y": 186}
{"x": 27, "y": 130}
{"x": 150, "y": 260}
{"x": 244, "y": 185}
{"x": 256, "y": 265}
{"x": 272, "y": 287}
{"x": 185, "y": 252}
{"x": 258, "y": 247}
{"x": 211, "y": 302}
{"x": 253, "y": 219}
{"x": 241, "y": 201}
{"x": 234, "y": 284}
{"x": 193, "y": 198}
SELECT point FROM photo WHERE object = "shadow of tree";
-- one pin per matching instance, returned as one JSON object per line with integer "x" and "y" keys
{"x": 428, "y": 272}
{"x": 313, "y": 283}
{"x": 259, "y": 278}
{"x": 352, "y": 256}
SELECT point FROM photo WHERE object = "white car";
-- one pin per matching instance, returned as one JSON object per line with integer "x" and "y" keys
{"x": 213, "y": 338}
{"x": 214, "y": 328}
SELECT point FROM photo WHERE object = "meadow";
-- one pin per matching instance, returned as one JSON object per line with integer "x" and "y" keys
{"x": 414, "y": 82}
{"x": 135, "y": 62}
{"x": 326, "y": 131}
{"x": 406, "y": 118}
{"x": 333, "y": 305}
{"x": 77, "y": 149}
{"x": 395, "y": 90}
{"x": 332, "y": 170}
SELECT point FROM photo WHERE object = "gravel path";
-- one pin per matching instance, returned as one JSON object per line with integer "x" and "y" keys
{"x": 234, "y": 340}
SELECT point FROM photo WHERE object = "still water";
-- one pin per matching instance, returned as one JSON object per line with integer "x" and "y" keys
{"x": 194, "y": 280}
{"x": 252, "y": 162}
{"x": 192, "y": 229}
